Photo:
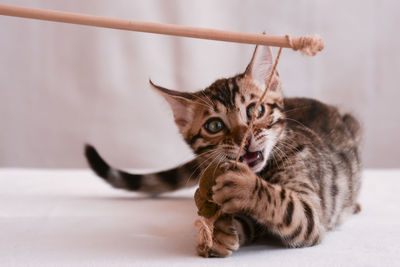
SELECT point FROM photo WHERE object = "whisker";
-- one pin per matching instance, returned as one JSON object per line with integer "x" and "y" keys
{"x": 311, "y": 144}
{"x": 296, "y": 108}
{"x": 292, "y": 148}
{"x": 282, "y": 156}
{"x": 298, "y": 123}
{"x": 210, "y": 101}
{"x": 273, "y": 157}
{"x": 222, "y": 158}
{"x": 204, "y": 103}
{"x": 211, "y": 152}
{"x": 208, "y": 166}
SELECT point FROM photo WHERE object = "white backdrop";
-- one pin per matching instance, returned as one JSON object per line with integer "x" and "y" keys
{"x": 62, "y": 85}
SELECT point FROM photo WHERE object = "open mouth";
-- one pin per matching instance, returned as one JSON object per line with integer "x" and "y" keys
{"x": 252, "y": 158}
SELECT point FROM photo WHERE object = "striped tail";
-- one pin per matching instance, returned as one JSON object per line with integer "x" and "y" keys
{"x": 155, "y": 183}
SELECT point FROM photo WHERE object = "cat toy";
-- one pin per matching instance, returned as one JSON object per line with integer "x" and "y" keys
{"x": 307, "y": 45}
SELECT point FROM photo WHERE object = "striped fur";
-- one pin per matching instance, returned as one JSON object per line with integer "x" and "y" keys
{"x": 152, "y": 184}
{"x": 299, "y": 174}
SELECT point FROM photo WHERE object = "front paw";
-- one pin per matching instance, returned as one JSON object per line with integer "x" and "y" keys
{"x": 224, "y": 239}
{"x": 233, "y": 189}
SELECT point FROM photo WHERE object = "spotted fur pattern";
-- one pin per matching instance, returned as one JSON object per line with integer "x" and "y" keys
{"x": 299, "y": 174}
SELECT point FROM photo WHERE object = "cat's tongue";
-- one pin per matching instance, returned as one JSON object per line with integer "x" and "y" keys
{"x": 251, "y": 157}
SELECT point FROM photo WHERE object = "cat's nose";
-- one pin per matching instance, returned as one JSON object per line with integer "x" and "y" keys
{"x": 239, "y": 134}
{"x": 248, "y": 141}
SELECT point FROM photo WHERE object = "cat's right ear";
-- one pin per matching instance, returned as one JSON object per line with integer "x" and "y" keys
{"x": 260, "y": 67}
{"x": 181, "y": 104}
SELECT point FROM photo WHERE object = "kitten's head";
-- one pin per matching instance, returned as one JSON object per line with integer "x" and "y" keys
{"x": 214, "y": 121}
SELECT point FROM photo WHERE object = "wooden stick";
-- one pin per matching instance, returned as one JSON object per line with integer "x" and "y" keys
{"x": 152, "y": 27}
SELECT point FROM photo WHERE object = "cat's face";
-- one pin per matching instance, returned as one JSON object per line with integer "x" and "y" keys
{"x": 214, "y": 121}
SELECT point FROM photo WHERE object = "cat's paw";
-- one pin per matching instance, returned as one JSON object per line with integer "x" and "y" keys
{"x": 225, "y": 237}
{"x": 233, "y": 189}
{"x": 224, "y": 241}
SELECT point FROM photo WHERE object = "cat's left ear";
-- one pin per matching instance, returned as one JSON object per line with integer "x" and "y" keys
{"x": 180, "y": 103}
{"x": 260, "y": 68}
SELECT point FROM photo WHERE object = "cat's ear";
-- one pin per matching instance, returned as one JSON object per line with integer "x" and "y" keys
{"x": 260, "y": 68}
{"x": 181, "y": 104}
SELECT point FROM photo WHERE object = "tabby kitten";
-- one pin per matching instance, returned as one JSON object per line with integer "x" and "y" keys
{"x": 298, "y": 176}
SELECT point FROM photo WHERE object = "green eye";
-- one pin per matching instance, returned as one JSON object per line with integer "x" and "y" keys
{"x": 250, "y": 110}
{"x": 214, "y": 125}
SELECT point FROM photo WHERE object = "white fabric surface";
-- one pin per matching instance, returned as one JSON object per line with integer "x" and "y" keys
{"x": 71, "y": 218}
